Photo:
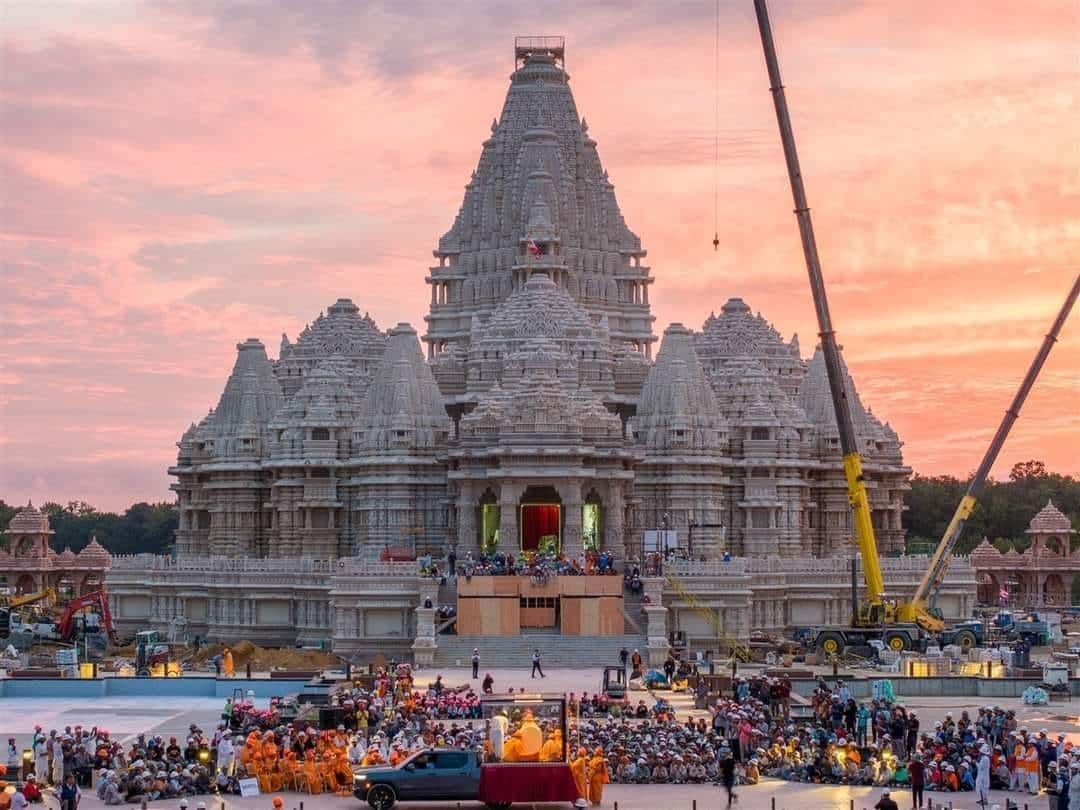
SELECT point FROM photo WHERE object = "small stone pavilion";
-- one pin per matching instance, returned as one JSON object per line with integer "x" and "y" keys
{"x": 28, "y": 564}
{"x": 1042, "y": 576}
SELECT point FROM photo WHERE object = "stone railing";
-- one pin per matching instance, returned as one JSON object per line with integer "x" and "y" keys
{"x": 213, "y": 564}
{"x": 357, "y": 567}
{"x": 760, "y": 489}
{"x": 711, "y": 568}
{"x": 345, "y": 566}
{"x": 842, "y": 565}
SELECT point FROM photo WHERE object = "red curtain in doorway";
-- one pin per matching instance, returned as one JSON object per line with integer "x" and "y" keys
{"x": 537, "y": 520}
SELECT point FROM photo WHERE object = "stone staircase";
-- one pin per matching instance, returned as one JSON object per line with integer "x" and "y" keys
{"x": 557, "y": 651}
{"x": 635, "y": 619}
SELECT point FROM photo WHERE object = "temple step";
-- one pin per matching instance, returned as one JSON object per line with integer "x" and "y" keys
{"x": 516, "y": 651}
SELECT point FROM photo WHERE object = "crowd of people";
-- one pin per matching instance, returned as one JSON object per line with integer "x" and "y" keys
{"x": 752, "y": 734}
{"x": 534, "y": 564}
{"x": 881, "y": 742}
{"x": 151, "y": 768}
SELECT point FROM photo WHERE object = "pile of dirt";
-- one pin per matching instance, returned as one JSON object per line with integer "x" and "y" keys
{"x": 266, "y": 658}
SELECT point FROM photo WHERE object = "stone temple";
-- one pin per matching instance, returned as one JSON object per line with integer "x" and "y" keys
{"x": 534, "y": 411}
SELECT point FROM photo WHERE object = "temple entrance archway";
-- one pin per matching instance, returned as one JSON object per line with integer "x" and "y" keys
{"x": 25, "y": 584}
{"x": 488, "y": 523}
{"x": 540, "y": 519}
{"x": 989, "y": 590}
{"x": 592, "y": 526}
{"x": 1054, "y": 591}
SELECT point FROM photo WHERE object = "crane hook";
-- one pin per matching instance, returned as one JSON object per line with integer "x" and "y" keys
{"x": 716, "y": 241}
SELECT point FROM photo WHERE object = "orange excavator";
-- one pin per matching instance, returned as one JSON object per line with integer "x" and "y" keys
{"x": 66, "y": 627}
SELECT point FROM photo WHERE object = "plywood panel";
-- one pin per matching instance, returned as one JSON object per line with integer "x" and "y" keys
{"x": 573, "y": 586}
{"x": 590, "y": 617}
{"x": 570, "y": 623}
{"x": 547, "y": 589}
{"x": 490, "y": 623}
{"x": 611, "y": 616}
{"x": 468, "y": 616}
{"x": 538, "y": 617}
{"x": 477, "y": 586}
{"x": 612, "y": 586}
{"x": 510, "y": 617}
{"x": 506, "y": 586}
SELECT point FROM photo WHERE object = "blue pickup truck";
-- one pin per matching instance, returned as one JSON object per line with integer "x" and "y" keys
{"x": 436, "y": 774}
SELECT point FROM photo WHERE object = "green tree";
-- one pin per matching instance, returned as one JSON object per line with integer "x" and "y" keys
{"x": 1003, "y": 511}
{"x": 143, "y": 527}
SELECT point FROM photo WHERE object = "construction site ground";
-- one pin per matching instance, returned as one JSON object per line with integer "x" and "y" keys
{"x": 262, "y": 659}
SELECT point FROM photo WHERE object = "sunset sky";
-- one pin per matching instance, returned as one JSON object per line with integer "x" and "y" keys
{"x": 177, "y": 176}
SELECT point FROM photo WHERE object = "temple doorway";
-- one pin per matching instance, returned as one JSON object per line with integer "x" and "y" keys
{"x": 540, "y": 524}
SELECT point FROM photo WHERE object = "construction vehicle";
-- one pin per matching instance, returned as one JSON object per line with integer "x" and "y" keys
{"x": 613, "y": 684}
{"x": 905, "y": 625}
{"x": 15, "y": 602}
{"x": 69, "y": 625}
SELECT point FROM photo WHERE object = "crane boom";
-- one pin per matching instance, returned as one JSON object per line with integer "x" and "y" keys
{"x": 916, "y": 609}
{"x": 30, "y": 598}
{"x": 856, "y": 485}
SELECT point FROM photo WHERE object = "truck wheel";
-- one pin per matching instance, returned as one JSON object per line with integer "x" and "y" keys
{"x": 831, "y": 643}
{"x": 381, "y": 797}
{"x": 965, "y": 640}
{"x": 499, "y": 805}
{"x": 897, "y": 642}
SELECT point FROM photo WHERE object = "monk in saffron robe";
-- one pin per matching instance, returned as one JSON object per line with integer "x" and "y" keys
{"x": 552, "y": 750}
{"x": 598, "y": 775}
{"x": 578, "y": 766}
{"x": 227, "y": 663}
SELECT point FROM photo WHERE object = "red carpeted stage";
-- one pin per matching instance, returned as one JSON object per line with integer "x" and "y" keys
{"x": 539, "y": 520}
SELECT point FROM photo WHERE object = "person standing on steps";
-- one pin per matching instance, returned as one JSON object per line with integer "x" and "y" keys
{"x": 475, "y": 663}
{"x": 624, "y": 655}
{"x": 536, "y": 664}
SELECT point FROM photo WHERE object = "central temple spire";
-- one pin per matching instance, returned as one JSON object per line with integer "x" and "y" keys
{"x": 539, "y": 201}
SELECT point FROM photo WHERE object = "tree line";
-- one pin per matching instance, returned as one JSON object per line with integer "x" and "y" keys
{"x": 143, "y": 527}
{"x": 1003, "y": 511}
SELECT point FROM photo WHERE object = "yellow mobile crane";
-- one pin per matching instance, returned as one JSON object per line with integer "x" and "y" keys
{"x": 900, "y": 626}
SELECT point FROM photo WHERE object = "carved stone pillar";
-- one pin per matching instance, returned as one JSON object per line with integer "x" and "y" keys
{"x": 656, "y": 629}
{"x": 613, "y": 516}
{"x": 467, "y": 535}
{"x": 425, "y": 643}
{"x": 508, "y": 519}
{"x": 572, "y": 541}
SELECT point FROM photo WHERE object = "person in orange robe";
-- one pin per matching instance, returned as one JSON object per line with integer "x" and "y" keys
{"x": 552, "y": 749}
{"x": 578, "y": 767}
{"x": 227, "y": 663}
{"x": 598, "y": 776}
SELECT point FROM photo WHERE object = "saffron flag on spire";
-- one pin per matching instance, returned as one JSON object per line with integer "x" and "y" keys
{"x": 534, "y": 248}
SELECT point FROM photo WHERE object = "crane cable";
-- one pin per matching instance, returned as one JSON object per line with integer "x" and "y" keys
{"x": 716, "y": 132}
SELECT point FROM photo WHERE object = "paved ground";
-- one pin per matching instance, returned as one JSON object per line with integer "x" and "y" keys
{"x": 788, "y": 796}
{"x": 172, "y": 716}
